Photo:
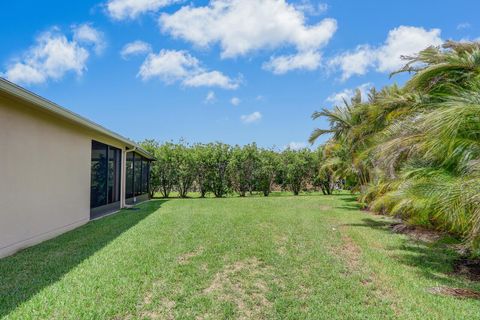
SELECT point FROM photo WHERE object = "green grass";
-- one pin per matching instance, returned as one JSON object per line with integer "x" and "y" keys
{"x": 306, "y": 257}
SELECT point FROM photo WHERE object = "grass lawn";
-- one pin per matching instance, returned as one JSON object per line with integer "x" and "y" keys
{"x": 306, "y": 257}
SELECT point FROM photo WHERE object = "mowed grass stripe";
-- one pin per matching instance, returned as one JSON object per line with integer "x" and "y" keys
{"x": 283, "y": 257}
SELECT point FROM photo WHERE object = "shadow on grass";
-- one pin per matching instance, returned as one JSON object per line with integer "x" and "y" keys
{"x": 433, "y": 260}
{"x": 29, "y": 271}
{"x": 372, "y": 223}
{"x": 349, "y": 202}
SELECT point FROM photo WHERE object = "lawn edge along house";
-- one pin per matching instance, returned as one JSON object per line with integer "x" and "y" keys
{"x": 59, "y": 170}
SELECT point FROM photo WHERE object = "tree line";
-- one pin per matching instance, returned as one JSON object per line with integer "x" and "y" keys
{"x": 221, "y": 169}
{"x": 413, "y": 151}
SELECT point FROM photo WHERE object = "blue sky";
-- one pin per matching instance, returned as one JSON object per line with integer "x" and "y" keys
{"x": 235, "y": 71}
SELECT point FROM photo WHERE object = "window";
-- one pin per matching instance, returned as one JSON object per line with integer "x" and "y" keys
{"x": 114, "y": 161}
{"x": 129, "y": 177}
{"x": 105, "y": 175}
{"x": 138, "y": 175}
{"x": 145, "y": 175}
{"x": 98, "y": 191}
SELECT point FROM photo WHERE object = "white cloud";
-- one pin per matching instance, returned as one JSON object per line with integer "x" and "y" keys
{"x": 401, "y": 41}
{"x": 463, "y": 26}
{"x": 309, "y": 60}
{"x": 25, "y": 73}
{"x": 51, "y": 57}
{"x": 171, "y": 66}
{"x": 86, "y": 34}
{"x": 211, "y": 79}
{"x": 135, "y": 48}
{"x": 251, "y": 118}
{"x": 355, "y": 63}
{"x": 131, "y": 9}
{"x": 235, "y": 101}
{"x": 210, "y": 98}
{"x": 311, "y": 8}
{"x": 244, "y": 26}
{"x": 296, "y": 145}
{"x": 345, "y": 95}
{"x": 404, "y": 41}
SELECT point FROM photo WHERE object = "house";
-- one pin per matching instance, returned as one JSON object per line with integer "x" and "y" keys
{"x": 59, "y": 170}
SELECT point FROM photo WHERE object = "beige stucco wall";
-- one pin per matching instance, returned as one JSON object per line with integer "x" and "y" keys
{"x": 44, "y": 175}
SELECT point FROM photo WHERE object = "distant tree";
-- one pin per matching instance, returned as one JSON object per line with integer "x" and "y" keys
{"x": 203, "y": 166}
{"x": 152, "y": 146}
{"x": 167, "y": 172}
{"x": 185, "y": 168}
{"x": 323, "y": 171}
{"x": 281, "y": 174}
{"x": 267, "y": 171}
{"x": 242, "y": 168}
{"x": 220, "y": 168}
{"x": 297, "y": 164}
{"x": 218, "y": 172}
{"x": 251, "y": 165}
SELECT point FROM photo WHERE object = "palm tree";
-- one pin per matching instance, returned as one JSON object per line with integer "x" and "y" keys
{"x": 415, "y": 150}
{"x": 434, "y": 68}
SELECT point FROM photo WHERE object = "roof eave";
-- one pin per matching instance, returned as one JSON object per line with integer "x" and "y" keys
{"x": 47, "y": 105}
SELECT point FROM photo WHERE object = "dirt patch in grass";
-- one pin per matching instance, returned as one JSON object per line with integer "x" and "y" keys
{"x": 281, "y": 245}
{"x": 417, "y": 233}
{"x": 147, "y": 299}
{"x": 469, "y": 268}
{"x": 153, "y": 306}
{"x": 456, "y": 292}
{"x": 186, "y": 257}
{"x": 151, "y": 309}
{"x": 350, "y": 251}
{"x": 242, "y": 284}
{"x": 377, "y": 283}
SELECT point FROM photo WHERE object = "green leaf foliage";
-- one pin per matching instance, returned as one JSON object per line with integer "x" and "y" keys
{"x": 414, "y": 151}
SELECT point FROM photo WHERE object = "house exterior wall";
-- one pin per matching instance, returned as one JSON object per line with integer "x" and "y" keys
{"x": 44, "y": 174}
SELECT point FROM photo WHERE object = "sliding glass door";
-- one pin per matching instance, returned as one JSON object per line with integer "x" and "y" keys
{"x": 114, "y": 173}
{"x": 129, "y": 183}
{"x": 138, "y": 175}
{"x": 105, "y": 178}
